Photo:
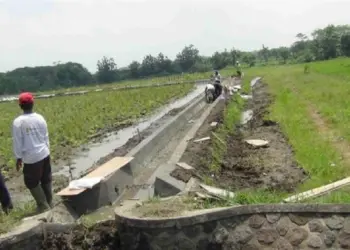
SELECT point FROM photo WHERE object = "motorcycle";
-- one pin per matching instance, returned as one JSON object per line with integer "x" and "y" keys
{"x": 211, "y": 93}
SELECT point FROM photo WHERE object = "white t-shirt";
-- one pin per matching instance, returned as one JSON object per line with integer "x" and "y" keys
{"x": 30, "y": 138}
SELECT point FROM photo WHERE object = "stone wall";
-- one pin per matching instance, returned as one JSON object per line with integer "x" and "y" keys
{"x": 260, "y": 227}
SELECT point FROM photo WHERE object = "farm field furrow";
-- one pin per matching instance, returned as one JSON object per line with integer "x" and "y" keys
{"x": 73, "y": 120}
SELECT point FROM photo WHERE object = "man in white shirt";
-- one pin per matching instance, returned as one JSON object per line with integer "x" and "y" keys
{"x": 31, "y": 148}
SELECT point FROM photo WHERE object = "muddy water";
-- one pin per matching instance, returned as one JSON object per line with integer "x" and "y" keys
{"x": 86, "y": 159}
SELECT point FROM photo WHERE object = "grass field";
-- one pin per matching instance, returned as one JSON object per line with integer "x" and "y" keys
{"x": 73, "y": 119}
{"x": 314, "y": 112}
{"x": 141, "y": 82}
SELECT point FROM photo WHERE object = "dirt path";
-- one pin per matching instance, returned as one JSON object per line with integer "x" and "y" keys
{"x": 325, "y": 129}
{"x": 243, "y": 166}
{"x": 332, "y": 135}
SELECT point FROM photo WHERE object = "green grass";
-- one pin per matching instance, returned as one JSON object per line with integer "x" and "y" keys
{"x": 72, "y": 119}
{"x": 232, "y": 115}
{"x": 339, "y": 67}
{"x": 7, "y": 222}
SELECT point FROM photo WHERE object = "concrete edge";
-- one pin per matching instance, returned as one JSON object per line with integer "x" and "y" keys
{"x": 200, "y": 216}
{"x": 172, "y": 185}
{"x": 144, "y": 148}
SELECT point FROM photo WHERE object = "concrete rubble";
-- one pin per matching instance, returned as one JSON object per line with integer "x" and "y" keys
{"x": 257, "y": 143}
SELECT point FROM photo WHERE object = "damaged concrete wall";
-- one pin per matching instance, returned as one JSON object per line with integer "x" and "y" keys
{"x": 244, "y": 227}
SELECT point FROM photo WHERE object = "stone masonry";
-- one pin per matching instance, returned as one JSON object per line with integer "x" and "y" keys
{"x": 259, "y": 231}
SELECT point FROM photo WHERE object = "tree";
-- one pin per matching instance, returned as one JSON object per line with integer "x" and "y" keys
{"x": 203, "y": 64}
{"x": 163, "y": 64}
{"x": 187, "y": 57}
{"x": 345, "y": 44}
{"x": 264, "y": 52}
{"x": 284, "y": 54}
{"x": 221, "y": 60}
{"x": 249, "y": 58}
{"x": 106, "y": 70}
{"x": 326, "y": 42}
{"x": 235, "y": 54}
{"x": 301, "y": 37}
{"x": 134, "y": 68}
{"x": 149, "y": 66}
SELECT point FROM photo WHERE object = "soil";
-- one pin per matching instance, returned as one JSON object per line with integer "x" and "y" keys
{"x": 243, "y": 166}
{"x": 102, "y": 236}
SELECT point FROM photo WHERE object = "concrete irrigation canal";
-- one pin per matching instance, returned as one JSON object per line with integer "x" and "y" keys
{"x": 146, "y": 191}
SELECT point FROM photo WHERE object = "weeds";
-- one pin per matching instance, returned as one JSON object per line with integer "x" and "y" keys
{"x": 9, "y": 221}
{"x": 232, "y": 115}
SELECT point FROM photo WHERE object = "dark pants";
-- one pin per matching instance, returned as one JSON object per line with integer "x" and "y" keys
{"x": 5, "y": 198}
{"x": 218, "y": 89}
{"x": 37, "y": 173}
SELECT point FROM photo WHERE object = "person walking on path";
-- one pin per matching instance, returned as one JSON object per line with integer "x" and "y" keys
{"x": 5, "y": 198}
{"x": 32, "y": 149}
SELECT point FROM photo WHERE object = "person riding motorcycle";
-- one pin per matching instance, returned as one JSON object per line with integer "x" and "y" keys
{"x": 238, "y": 69}
{"x": 217, "y": 83}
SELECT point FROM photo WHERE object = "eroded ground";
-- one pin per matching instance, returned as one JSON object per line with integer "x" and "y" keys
{"x": 102, "y": 236}
{"x": 243, "y": 166}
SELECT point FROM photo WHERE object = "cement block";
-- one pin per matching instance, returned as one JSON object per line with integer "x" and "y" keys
{"x": 167, "y": 186}
{"x": 103, "y": 194}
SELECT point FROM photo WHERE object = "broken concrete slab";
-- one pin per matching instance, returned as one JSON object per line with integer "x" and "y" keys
{"x": 255, "y": 81}
{"x": 257, "y": 143}
{"x": 192, "y": 184}
{"x": 184, "y": 165}
{"x": 202, "y": 139}
{"x": 246, "y": 97}
{"x": 205, "y": 196}
{"x": 246, "y": 116}
{"x": 217, "y": 191}
{"x": 238, "y": 87}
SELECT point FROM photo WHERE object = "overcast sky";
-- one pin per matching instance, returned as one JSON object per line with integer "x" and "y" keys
{"x": 40, "y": 32}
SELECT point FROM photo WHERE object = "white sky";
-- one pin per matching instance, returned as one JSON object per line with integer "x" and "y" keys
{"x": 40, "y": 32}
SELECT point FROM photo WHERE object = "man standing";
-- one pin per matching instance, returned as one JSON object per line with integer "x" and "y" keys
{"x": 5, "y": 198}
{"x": 31, "y": 148}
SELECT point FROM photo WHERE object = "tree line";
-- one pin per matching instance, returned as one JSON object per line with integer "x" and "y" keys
{"x": 323, "y": 44}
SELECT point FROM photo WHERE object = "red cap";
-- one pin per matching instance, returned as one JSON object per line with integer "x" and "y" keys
{"x": 25, "y": 97}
